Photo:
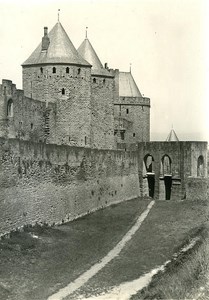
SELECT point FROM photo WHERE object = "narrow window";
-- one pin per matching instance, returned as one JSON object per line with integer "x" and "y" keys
{"x": 31, "y": 126}
{"x": 10, "y": 108}
{"x": 54, "y": 70}
{"x": 103, "y": 81}
{"x": 134, "y": 134}
{"x": 94, "y": 80}
{"x": 5, "y": 90}
{"x": 31, "y": 95}
{"x": 41, "y": 69}
{"x": 166, "y": 164}
{"x": 63, "y": 91}
{"x": 79, "y": 71}
{"x": 67, "y": 70}
{"x": 149, "y": 163}
{"x": 85, "y": 140}
{"x": 122, "y": 134}
{"x": 127, "y": 111}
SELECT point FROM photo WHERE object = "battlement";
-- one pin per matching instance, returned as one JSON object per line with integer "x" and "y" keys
{"x": 141, "y": 101}
{"x": 7, "y": 87}
{"x": 102, "y": 73}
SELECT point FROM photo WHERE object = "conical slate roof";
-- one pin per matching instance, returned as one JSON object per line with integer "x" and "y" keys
{"x": 172, "y": 137}
{"x": 127, "y": 85}
{"x": 60, "y": 50}
{"x": 87, "y": 51}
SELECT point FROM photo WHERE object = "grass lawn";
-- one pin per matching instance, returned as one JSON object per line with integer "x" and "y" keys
{"x": 34, "y": 268}
{"x": 185, "y": 277}
{"x": 167, "y": 227}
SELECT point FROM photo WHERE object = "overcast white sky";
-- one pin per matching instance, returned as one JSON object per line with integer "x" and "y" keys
{"x": 165, "y": 40}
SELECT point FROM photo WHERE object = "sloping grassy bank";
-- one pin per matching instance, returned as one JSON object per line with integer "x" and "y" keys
{"x": 168, "y": 227}
{"x": 186, "y": 276}
{"x": 40, "y": 260}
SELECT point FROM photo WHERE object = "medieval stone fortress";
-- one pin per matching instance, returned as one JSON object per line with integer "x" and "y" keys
{"x": 77, "y": 138}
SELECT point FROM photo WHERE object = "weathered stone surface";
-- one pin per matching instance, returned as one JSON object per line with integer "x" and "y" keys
{"x": 26, "y": 120}
{"x": 184, "y": 164}
{"x": 196, "y": 188}
{"x": 102, "y": 118}
{"x": 50, "y": 183}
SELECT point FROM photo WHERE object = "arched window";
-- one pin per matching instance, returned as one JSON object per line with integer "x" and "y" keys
{"x": 166, "y": 165}
{"x": 54, "y": 70}
{"x": 10, "y": 108}
{"x": 149, "y": 163}
{"x": 41, "y": 69}
{"x": 148, "y": 176}
{"x": 79, "y": 71}
{"x": 94, "y": 80}
{"x": 67, "y": 70}
{"x": 63, "y": 91}
{"x": 200, "y": 166}
{"x": 103, "y": 81}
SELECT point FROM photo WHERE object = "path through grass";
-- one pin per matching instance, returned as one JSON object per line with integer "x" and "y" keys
{"x": 166, "y": 228}
{"x": 34, "y": 268}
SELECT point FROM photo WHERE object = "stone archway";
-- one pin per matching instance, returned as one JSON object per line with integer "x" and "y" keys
{"x": 149, "y": 175}
{"x": 10, "y": 108}
{"x": 166, "y": 170}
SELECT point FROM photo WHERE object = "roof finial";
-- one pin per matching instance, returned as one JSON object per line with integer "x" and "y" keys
{"x": 130, "y": 67}
{"x": 58, "y": 15}
{"x": 86, "y": 32}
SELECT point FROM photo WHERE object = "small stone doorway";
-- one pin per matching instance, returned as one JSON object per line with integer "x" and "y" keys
{"x": 168, "y": 187}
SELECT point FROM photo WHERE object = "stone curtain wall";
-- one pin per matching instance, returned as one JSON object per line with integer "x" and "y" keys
{"x": 50, "y": 183}
{"x": 55, "y": 183}
{"x": 27, "y": 119}
{"x": 198, "y": 149}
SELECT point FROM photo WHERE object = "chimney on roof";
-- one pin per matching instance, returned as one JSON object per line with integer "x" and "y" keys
{"x": 45, "y": 39}
{"x": 106, "y": 66}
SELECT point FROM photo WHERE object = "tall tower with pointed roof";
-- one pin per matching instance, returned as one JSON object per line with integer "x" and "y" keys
{"x": 102, "y": 98}
{"x": 57, "y": 74}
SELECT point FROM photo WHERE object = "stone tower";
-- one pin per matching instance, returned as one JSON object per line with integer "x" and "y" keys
{"x": 56, "y": 73}
{"x": 131, "y": 111}
{"x": 102, "y": 98}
